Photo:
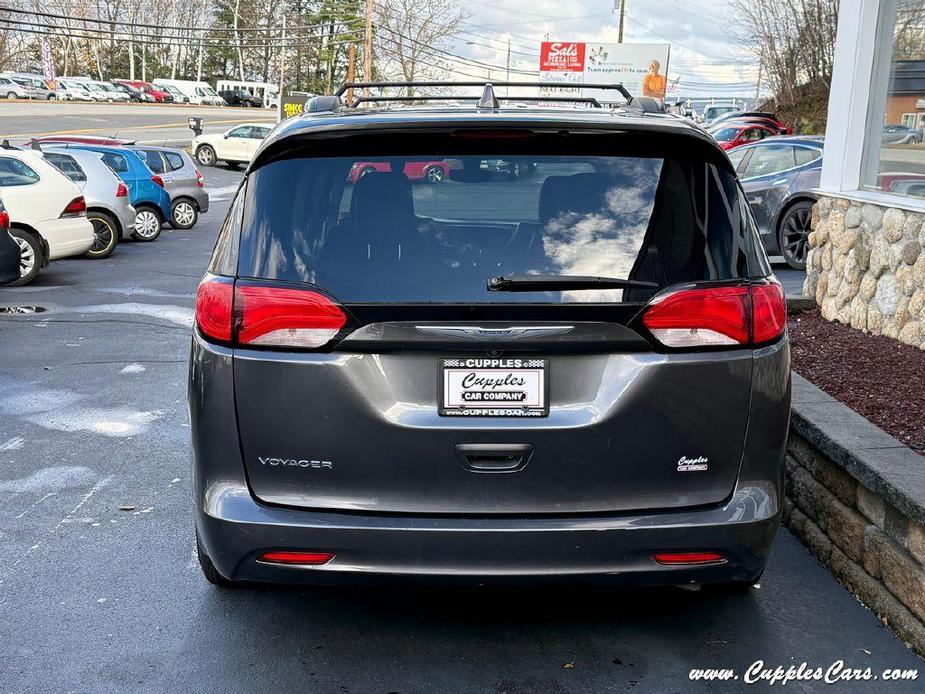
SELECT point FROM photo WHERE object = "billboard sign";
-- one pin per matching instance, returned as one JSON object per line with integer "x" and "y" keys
{"x": 562, "y": 56}
{"x": 640, "y": 67}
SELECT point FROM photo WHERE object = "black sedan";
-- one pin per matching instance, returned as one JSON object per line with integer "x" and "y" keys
{"x": 779, "y": 175}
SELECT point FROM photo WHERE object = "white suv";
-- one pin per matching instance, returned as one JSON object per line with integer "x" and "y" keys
{"x": 48, "y": 214}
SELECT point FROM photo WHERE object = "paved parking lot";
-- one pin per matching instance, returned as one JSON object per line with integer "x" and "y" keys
{"x": 100, "y": 591}
{"x": 148, "y": 123}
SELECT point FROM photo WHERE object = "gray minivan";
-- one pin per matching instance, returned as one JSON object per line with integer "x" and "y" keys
{"x": 580, "y": 373}
{"x": 182, "y": 180}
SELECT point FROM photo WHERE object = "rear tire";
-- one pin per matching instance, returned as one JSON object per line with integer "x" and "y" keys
{"x": 793, "y": 234}
{"x": 106, "y": 234}
{"x": 32, "y": 256}
{"x": 184, "y": 214}
{"x": 208, "y": 568}
{"x": 148, "y": 224}
{"x": 11, "y": 96}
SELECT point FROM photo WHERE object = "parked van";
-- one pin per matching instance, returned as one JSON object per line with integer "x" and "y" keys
{"x": 197, "y": 92}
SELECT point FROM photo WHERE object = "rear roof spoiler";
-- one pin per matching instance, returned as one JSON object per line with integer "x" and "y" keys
{"x": 487, "y": 101}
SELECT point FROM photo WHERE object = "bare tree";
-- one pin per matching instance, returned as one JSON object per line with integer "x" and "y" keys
{"x": 794, "y": 39}
{"x": 412, "y": 34}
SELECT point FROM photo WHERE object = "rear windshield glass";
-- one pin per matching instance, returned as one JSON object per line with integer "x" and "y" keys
{"x": 423, "y": 229}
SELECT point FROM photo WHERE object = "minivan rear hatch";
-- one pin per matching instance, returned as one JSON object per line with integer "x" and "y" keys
{"x": 406, "y": 344}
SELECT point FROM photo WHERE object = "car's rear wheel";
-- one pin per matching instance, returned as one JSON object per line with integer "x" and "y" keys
{"x": 208, "y": 568}
{"x": 147, "y": 224}
{"x": 205, "y": 155}
{"x": 793, "y": 234}
{"x": 31, "y": 256}
{"x": 105, "y": 234}
{"x": 434, "y": 174}
{"x": 184, "y": 214}
{"x": 11, "y": 96}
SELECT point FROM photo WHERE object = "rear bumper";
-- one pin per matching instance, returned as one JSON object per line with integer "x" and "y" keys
{"x": 235, "y": 529}
{"x": 201, "y": 196}
{"x": 67, "y": 236}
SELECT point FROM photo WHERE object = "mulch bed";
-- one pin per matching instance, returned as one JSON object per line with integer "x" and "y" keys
{"x": 878, "y": 377}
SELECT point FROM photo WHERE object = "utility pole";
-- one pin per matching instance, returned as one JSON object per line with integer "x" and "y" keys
{"x": 622, "y": 13}
{"x": 368, "y": 47}
{"x": 199, "y": 62}
{"x": 507, "y": 90}
{"x": 758, "y": 86}
{"x": 282, "y": 65}
{"x": 351, "y": 62}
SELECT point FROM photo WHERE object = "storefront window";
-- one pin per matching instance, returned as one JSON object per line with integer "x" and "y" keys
{"x": 895, "y": 153}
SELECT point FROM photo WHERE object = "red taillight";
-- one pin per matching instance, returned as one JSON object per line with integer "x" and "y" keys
{"x": 274, "y": 316}
{"x": 718, "y": 316}
{"x": 681, "y": 558}
{"x": 4, "y": 219}
{"x": 199, "y": 181}
{"x": 296, "y": 558}
{"x": 76, "y": 207}
{"x": 214, "y": 301}
{"x": 122, "y": 190}
{"x": 769, "y": 312}
{"x": 157, "y": 179}
{"x": 267, "y": 316}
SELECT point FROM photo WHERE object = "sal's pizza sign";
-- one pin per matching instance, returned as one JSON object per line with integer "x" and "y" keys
{"x": 567, "y": 56}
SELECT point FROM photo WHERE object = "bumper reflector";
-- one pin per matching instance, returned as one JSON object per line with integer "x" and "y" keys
{"x": 688, "y": 558}
{"x": 296, "y": 558}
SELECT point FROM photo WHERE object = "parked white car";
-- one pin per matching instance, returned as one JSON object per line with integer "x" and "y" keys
{"x": 48, "y": 213}
{"x": 10, "y": 89}
{"x": 234, "y": 146}
{"x": 72, "y": 91}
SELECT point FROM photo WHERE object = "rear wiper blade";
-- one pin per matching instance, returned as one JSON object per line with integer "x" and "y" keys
{"x": 540, "y": 283}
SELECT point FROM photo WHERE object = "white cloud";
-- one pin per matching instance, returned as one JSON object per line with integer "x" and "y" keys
{"x": 705, "y": 52}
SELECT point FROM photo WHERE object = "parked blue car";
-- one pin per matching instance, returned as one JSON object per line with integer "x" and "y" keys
{"x": 145, "y": 189}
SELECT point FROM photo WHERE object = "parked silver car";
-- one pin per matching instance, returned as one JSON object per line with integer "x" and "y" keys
{"x": 36, "y": 86}
{"x": 107, "y": 197}
{"x": 182, "y": 180}
{"x": 11, "y": 89}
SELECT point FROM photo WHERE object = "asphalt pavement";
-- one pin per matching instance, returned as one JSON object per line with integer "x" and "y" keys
{"x": 146, "y": 123}
{"x": 100, "y": 590}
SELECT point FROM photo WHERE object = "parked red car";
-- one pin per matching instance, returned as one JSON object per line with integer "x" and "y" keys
{"x": 160, "y": 97}
{"x": 85, "y": 140}
{"x": 430, "y": 171}
{"x": 771, "y": 123}
{"x": 742, "y": 134}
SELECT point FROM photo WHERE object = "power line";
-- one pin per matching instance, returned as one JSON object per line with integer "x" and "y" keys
{"x": 120, "y": 22}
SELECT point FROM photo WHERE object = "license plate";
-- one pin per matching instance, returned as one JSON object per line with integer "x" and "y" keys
{"x": 487, "y": 387}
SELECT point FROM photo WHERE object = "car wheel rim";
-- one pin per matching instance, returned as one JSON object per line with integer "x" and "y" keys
{"x": 435, "y": 175}
{"x": 26, "y": 257}
{"x": 183, "y": 214}
{"x": 796, "y": 234}
{"x": 205, "y": 156}
{"x": 146, "y": 224}
{"x": 102, "y": 235}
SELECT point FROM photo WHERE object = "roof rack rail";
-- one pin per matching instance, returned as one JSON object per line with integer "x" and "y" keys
{"x": 475, "y": 83}
{"x": 591, "y": 101}
{"x": 488, "y": 99}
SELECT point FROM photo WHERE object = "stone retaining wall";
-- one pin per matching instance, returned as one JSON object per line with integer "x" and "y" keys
{"x": 866, "y": 268}
{"x": 856, "y": 497}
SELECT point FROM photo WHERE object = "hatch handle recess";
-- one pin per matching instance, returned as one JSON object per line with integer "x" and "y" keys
{"x": 494, "y": 457}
